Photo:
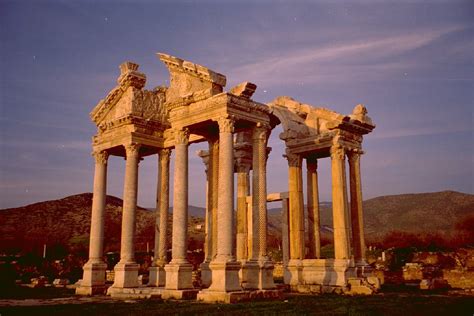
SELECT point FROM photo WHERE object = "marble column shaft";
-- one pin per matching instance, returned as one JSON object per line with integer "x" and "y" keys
{"x": 180, "y": 198}
{"x": 130, "y": 191}
{"x": 259, "y": 199}
{"x": 96, "y": 246}
{"x": 313, "y": 208}
{"x": 243, "y": 190}
{"x": 225, "y": 216}
{"x": 213, "y": 192}
{"x": 339, "y": 203}
{"x": 357, "y": 216}
{"x": 296, "y": 213}
{"x": 162, "y": 206}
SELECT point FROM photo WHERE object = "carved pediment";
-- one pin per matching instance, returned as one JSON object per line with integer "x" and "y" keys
{"x": 129, "y": 98}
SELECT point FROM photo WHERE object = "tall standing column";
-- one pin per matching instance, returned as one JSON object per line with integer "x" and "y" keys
{"x": 313, "y": 208}
{"x": 296, "y": 213}
{"x": 224, "y": 267}
{"x": 243, "y": 190}
{"x": 296, "y": 219}
{"x": 179, "y": 270}
{"x": 157, "y": 272}
{"x": 357, "y": 215}
{"x": 260, "y": 155}
{"x": 126, "y": 271}
{"x": 208, "y": 240}
{"x": 93, "y": 280}
{"x": 339, "y": 203}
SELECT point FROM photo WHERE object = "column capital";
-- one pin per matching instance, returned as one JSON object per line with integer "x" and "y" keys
{"x": 226, "y": 124}
{"x": 164, "y": 154}
{"x": 354, "y": 155}
{"x": 101, "y": 156}
{"x": 260, "y": 132}
{"x": 132, "y": 149}
{"x": 181, "y": 136}
{"x": 242, "y": 165}
{"x": 337, "y": 152}
{"x": 294, "y": 160}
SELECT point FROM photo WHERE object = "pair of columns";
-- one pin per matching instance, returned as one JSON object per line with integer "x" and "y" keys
{"x": 251, "y": 230}
{"x": 126, "y": 270}
{"x": 342, "y": 220}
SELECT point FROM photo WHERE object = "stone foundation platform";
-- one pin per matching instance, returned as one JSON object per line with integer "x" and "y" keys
{"x": 239, "y": 296}
{"x": 91, "y": 290}
{"x": 141, "y": 292}
{"x": 188, "y": 294}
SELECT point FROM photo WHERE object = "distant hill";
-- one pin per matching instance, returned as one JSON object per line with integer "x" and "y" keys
{"x": 67, "y": 221}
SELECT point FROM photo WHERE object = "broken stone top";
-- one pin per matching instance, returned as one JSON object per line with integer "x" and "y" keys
{"x": 190, "y": 81}
{"x": 176, "y": 64}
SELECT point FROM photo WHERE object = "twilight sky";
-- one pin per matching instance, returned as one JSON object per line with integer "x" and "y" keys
{"x": 410, "y": 62}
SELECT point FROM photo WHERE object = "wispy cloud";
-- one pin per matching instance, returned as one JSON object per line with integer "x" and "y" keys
{"x": 320, "y": 63}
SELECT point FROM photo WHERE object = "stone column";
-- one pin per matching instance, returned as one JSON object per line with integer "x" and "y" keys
{"x": 205, "y": 271}
{"x": 260, "y": 156}
{"x": 157, "y": 271}
{"x": 126, "y": 271}
{"x": 296, "y": 218}
{"x": 285, "y": 238}
{"x": 243, "y": 190}
{"x": 179, "y": 270}
{"x": 357, "y": 215}
{"x": 339, "y": 203}
{"x": 93, "y": 280}
{"x": 313, "y": 208}
{"x": 224, "y": 267}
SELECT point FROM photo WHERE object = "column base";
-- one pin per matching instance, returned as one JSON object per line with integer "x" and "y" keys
{"x": 179, "y": 276}
{"x": 225, "y": 276}
{"x": 206, "y": 274}
{"x": 94, "y": 275}
{"x": 126, "y": 275}
{"x": 157, "y": 276}
{"x": 266, "y": 275}
{"x": 294, "y": 271}
{"x": 250, "y": 275}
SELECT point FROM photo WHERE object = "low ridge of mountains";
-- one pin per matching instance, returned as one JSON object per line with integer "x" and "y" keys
{"x": 67, "y": 221}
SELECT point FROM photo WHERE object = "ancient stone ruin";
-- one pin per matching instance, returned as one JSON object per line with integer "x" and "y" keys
{"x": 136, "y": 123}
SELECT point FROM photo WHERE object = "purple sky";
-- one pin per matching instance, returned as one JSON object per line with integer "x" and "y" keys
{"x": 410, "y": 62}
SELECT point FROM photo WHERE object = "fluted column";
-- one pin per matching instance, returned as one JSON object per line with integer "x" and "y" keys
{"x": 214, "y": 188}
{"x": 178, "y": 271}
{"x": 259, "y": 190}
{"x": 93, "y": 281}
{"x": 224, "y": 267}
{"x": 243, "y": 190}
{"x": 339, "y": 203}
{"x": 157, "y": 272}
{"x": 357, "y": 215}
{"x": 313, "y": 208}
{"x": 208, "y": 223}
{"x": 126, "y": 271}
